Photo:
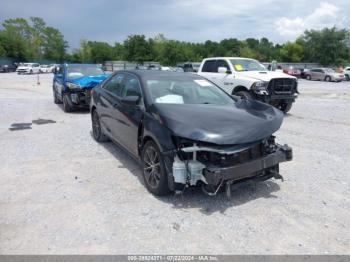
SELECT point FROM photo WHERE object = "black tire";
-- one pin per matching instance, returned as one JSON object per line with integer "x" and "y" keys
{"x": 347, "y": 77}
{"x": 244, "y": 95}
{"x": 66, "y": 105}
{"x": 285, "y": 107}
{"x": 55, "y": 98}
{"x": 96, "y": 128}
{"x": 308, "y": 77}
{"x": 327, "y": 79}
{"x": 31, "y": 72}
{"x": 153, "y": 170}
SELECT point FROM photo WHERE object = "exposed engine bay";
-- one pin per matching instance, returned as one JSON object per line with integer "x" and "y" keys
{"x": 212, "y": 166}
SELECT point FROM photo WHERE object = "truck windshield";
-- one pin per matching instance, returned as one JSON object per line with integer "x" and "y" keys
{"x": 80, "y": 71}
{"x": 189, "y": 91}
{"x": 247, "y": 65}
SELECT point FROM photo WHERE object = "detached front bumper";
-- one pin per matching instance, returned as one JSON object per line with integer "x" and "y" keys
{"x": 214, "y": 175}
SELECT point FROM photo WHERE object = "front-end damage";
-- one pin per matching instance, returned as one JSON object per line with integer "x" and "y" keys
{"x": 213, "y": 166}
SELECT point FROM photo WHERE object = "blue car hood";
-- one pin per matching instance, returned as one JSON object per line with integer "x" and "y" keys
{"x": 88, "y": 82}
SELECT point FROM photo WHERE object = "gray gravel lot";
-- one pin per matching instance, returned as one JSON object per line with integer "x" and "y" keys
{"x": 63, "y": 193}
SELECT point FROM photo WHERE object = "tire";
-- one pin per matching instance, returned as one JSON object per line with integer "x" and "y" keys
{"x": 153, "y": 170}
{"x": 327, "y": 79}
{"x": 244, "y": 95}
{"x": 96, "y": 128}
{"x": 55, "y": 98}
{"x": 66, "y": 105}
{"x": 285, "y": 107}
{"x": 308, "y": 77}
{"x": 31, "y": 72}
{"x": 347, "y": 77}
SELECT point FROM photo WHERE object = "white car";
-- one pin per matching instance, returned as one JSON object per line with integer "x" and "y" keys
{"x": 346, "y": 72}
{"x": 28, "y": 68}
{"x": 249, "y": 79}
{"x": 44, "y": 69}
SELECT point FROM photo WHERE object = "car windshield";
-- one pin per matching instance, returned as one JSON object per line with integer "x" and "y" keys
{"x": 25, "y": 64}
{"x": 80, "y": 71}
{"x": 247, "y": 65}
{"x": 186, "y": 91}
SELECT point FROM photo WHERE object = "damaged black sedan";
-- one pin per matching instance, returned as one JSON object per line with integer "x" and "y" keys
{"x": 186, "y": 131}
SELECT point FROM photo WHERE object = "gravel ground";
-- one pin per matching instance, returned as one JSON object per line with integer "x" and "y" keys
{"x": 63, "y": 193}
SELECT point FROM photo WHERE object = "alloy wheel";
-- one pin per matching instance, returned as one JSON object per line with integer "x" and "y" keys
{"x": 96, "y": 127}
{"x": 151, "y": 166}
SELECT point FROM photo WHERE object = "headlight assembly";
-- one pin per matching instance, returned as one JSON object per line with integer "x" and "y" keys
{"x": 260, "y": 87}
{"x": 72, "y": 86}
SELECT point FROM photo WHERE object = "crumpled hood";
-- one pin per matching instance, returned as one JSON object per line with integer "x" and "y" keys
{"x": 265, "y": 75}
{"x": 88, "y": 81}
{"x": 246, "y": 121}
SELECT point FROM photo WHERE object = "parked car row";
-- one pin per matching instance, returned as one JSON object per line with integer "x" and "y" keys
{"x": 34, "y": 68}
{"x": 183, "y": 128}
{"x": 325, "y": 74}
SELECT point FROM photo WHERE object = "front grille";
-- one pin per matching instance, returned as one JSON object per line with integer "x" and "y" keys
{"x": 282, "y": 86}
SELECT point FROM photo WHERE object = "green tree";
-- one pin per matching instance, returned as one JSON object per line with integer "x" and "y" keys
{"x": 54, "y": 46}
{"x": 292, "y": 52}
{"x": 327, "y": 46}
{"x": 137, "y": 49}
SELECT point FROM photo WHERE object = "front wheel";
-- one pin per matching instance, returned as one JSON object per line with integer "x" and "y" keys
{"x": 308, "y": 77}
{"x": 244, "y": 95}
{"x": 327, "y": 79}
{"x": 347, "y": 77}
{"x": 66, "y": 105}
{"x": 285, "y": 107}
{"x": 96, "y": 128}
{"x": 154, "y": 172}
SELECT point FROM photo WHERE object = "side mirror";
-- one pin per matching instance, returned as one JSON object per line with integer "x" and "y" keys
{"x": 131, "y": 100}
{"x": 223, "y": 70}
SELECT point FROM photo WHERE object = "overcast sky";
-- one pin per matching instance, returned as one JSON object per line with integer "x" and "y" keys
{"x": 187, "y": 20}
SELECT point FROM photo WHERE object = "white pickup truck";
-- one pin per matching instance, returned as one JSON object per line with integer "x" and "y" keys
{"x": 249, "y": 79}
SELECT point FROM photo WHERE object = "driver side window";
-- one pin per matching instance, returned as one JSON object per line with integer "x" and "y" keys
{"x": 115, "y": 84}
{"x": 131, "y": 87}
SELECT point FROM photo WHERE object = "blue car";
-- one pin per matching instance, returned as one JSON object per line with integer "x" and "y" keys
{"x": 72, "y": 84}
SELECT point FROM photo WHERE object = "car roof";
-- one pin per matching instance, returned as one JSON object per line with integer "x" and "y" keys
{"x": 87, "y": 65}
{"x": 228, "y": 57}
{"x": 159, "y": 73}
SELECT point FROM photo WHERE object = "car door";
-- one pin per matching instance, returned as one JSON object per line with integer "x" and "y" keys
{"x": 224, "y": 80}
{"x": 128, "y": 117}
{"x": 314, "y": 74}
{"x": 107, "y": 101}
{"x": 58, "y": 81}
{"x": 208, "y": 70}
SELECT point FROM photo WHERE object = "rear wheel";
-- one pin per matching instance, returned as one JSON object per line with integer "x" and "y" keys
{"x": 96, "y": 128}
{"x": 154, "y": 172}
{"x": 66, "y": 105}
{"x": 244, "y": 95}
{"x": 31, "y": 72}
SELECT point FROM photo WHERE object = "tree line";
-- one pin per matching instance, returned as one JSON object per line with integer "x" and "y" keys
{"x": 32, "y": 39}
